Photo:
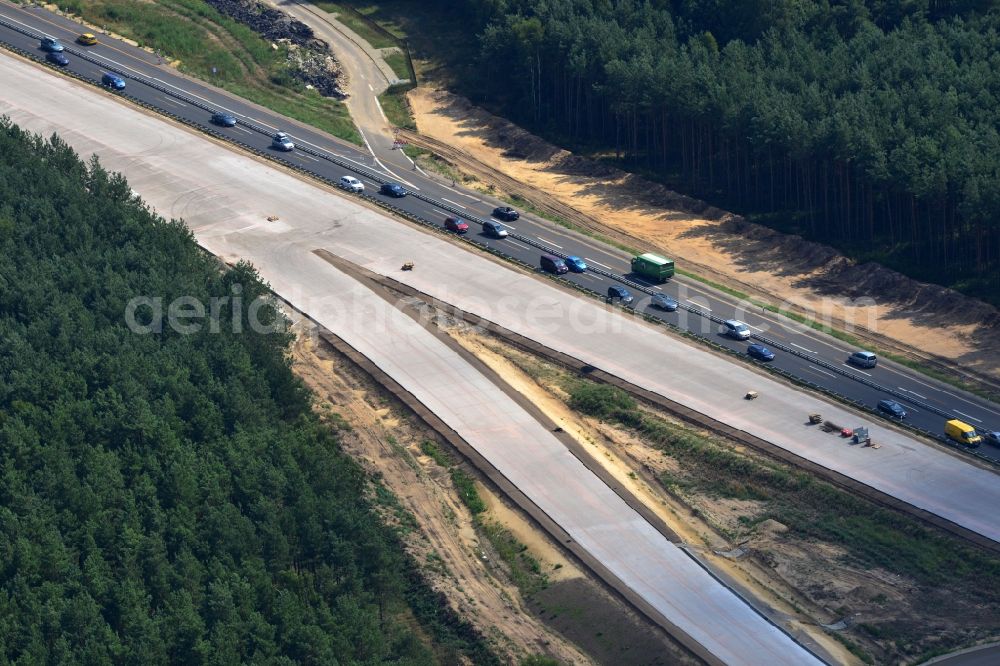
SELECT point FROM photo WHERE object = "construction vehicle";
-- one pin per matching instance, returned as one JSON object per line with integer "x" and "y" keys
{"x": 653, "y": 267}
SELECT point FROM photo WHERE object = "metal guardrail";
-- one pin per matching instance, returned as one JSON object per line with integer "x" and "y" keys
{"x": 375, "y": 176}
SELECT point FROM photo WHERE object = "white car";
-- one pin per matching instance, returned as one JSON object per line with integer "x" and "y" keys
{"x": 736, "y": 329}
{"x": 352, "y": 184}
{"x": 282, "y": 142}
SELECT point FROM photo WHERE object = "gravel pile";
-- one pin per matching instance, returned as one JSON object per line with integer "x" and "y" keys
{"x": 310, "y": 59}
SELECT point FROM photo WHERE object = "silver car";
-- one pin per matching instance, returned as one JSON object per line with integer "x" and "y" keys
{"x": 281, "y": 141}
{"x": 352, "y": 184}
{"x": 736, "y": 329}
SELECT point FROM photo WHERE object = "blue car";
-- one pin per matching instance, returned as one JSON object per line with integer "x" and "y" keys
{"x": 223, "y": 119}
{"x": 57, "y": 58}
{"x": 393, "y": 190}
{"x": 576, "y": 264}
{"x": 760, "y": 352}
{"x": 50, "y": 44}
{"x": 892, "y": 408}
{"x": 112, "y": 81}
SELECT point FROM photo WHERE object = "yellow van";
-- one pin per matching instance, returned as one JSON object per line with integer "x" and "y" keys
{"x": 962, "y": 433}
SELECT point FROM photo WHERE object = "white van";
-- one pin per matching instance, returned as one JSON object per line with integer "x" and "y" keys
{"x": 863, "y": 359}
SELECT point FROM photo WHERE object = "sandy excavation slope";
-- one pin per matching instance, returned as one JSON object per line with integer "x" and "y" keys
{"x": 723, "y": 247}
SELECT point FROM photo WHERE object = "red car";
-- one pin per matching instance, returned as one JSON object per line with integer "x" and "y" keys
{"x": 455, "y": 224}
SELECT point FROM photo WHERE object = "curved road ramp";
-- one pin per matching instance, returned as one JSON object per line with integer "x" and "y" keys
{"x": 241, "y": 208}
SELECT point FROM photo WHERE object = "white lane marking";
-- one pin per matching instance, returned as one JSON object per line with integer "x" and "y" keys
{"x": 393, "y": 173}
{"x": 417, "y": 166}
{"x": 503, "y": 224}
{"x": 942, "y": 391}
{"x": 441, "y": 212}
{"x": 599, "y": 263}
{"x": 829, "y": 374}
{"x": 657, "y": 288}
{"x": 242, "y": 129}
{"x": 367, "y": 145}
{"x": 968, "y": 416}
{"x": 372, "y": 89}
{"x": 454, "y": 202}
{"x": 700, "y": 305}
{"x": 597, "y": 277}
{"x": 922, "y": 397}
{"x": 463, "y": 194}
{"x": 545, "y": 240}
{"x": 173, "y": 101}
{"x": 309, "y": 157}
{"x": 855, "y": 369}
{"x": 379, "y": 107}
{"x": 370, "y": 182}
{"x": 803, "y": 348}
{"x": 514, "y": 242}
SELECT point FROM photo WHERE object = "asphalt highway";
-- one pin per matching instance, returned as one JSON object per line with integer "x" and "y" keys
{"x": 804, "y": 354}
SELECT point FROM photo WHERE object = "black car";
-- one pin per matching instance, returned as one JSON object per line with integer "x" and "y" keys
{"x": 392, "y": 190}
{"x": 892, "y": 408}
{"x": 619, "y": 293}
{"x": 57, "y": 58}
{"x": 505, "y": 213}
{"x": 223, "y": 119}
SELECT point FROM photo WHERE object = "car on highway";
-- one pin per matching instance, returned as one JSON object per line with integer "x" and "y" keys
{"x": 663, "y": 302}
{"x": 619, "y": 293}
{"x": 109, "y": 80}
{"x": 282, "y": 141}
{"x": 456, "y": 225}
{"x": 760, "y": 352}
{"x": 51, "y": 44}
{"x": 505, "y": 213}
{"x": 57, "y": 58}
{"x": 892, "y": 408}
{"x": 223, "y": 119}
{"x": 553, "y": 264}
{"x": 992, "y": 438}
{"x": 576, "y": 264}
{"x": 86, "y": 38}
{"x": 495, "y": 229}
{"x": 736, "y": 329}
{"x": 351, "y": 184}
{"x": 863, "y": 359}
{"x": 392, "y": 190}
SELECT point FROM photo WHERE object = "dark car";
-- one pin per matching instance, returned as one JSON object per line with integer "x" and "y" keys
{"x": 505, "y": 213}
{"x": 456, "y": 224}
{"x": 892, "y": 408}
{"x": 576, "y": 264}
{"x": 619, "y": 293}
{"x": 224, "y": 119}
{"x": 760, "y": 352}
{"x": 392, "y": 190}
{"x": 57, "y": 58}
{"x": 112, "y": 81}
{"x": 495, "y": 229}
{"x": 50, "y": 44}
{"x": 992, "y": 438}
{"x": 552, "y": 264}
{"x": 664, "y": 302}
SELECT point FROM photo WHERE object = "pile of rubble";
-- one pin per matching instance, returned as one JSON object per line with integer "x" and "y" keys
{"x": 310, "y": 59}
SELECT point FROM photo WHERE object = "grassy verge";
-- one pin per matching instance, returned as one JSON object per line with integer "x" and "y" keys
{"x": 396, "y": 108}
{"x": 525, "y": 570}
{"x": 359, "y": 26}
{"x": 397, "y": 61}
{"x": 216, "y": 49}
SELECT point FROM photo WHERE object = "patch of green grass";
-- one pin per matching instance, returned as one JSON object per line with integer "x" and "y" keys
{"x": 431, "y": 449}
{"x": 466, "y": 488}
{"x": 396, "y": 108}
{"x": 525, "y": 570}
{"x": 359, "y": 26}
{"x": 216, "y": 49}
{"x": 397, "y": 61}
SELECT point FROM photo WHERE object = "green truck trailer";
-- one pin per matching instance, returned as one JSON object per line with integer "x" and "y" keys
{"x": 653, "y": 267}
